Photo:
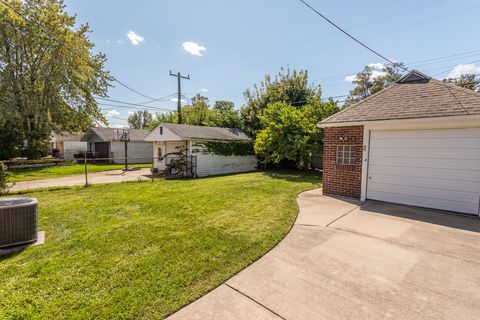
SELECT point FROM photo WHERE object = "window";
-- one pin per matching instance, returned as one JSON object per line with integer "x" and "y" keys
{"x": 345, "y": 154}
{"x": 159, "y": 155}
{"x": 161, "y": 130}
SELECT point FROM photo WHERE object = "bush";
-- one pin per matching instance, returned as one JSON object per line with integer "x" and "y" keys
{"x": 4, "y": 174}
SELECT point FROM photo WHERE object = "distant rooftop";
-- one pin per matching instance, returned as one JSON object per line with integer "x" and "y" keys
{"x": 106, "y": 134}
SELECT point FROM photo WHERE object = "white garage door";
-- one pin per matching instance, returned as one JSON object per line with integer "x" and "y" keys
{"x": 437, "y": 169}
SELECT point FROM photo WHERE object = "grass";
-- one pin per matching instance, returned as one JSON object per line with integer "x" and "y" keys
{"x": 143, "y": 250}
{"x": 63, "y": 170}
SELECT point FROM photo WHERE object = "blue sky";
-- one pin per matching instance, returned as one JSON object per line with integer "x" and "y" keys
{"x": 227, "y": 46}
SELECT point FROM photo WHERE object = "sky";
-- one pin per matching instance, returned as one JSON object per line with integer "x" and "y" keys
{"x": 228, "y": 46}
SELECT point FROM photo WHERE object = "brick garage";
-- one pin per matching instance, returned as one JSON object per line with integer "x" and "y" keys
{"x": 340, "y": 178}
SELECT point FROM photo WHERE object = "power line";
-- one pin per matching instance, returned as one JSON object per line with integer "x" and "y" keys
{"x": 130, "y": 103}
{"x": 349, "y": 35}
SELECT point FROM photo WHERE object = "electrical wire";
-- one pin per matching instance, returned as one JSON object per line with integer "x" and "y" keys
{"x": 349, "y": 35}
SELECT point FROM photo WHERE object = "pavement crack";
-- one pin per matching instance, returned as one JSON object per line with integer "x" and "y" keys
{"x": 343, "y": 215}
{"x": 255, "y": 301}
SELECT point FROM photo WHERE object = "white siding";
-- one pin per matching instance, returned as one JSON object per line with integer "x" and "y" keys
{"x": 72, "y": 147}
{"x": 430, "y": 168}
{"x": 210, "y": 164}
{"x": 138, "y": 152}
{"x": 166, "y": 147}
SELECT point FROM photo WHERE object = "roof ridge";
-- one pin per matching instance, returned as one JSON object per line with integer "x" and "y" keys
{"x": 361, "y": 101}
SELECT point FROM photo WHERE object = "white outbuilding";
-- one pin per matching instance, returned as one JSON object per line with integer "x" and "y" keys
{"x": 212, "y": 150}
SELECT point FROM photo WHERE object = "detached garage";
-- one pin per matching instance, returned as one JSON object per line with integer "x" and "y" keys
{"x": 416, "y": 142}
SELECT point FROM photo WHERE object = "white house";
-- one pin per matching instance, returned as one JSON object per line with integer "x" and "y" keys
{"x": 66, "y": 144}
{"x": 103, "y": 143}
{"x": 167, "y": 137}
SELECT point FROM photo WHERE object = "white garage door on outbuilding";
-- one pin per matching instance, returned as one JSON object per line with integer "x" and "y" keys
{"x": 437, "y": 169}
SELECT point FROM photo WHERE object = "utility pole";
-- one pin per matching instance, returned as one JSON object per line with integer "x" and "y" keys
{"x": 179, "y": 97}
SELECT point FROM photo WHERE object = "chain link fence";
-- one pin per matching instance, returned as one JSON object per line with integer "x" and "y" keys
{"x": 84, "y": 171}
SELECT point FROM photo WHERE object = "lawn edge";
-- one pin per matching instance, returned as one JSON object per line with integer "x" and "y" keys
{"x": 252, "y": 262}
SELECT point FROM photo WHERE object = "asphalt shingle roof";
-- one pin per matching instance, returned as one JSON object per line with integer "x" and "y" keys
{"x": 106, "y": 134}
{"x": 208, "y": 133}
{"x": 422, "y": 98}
{"x": 68, "y": 136}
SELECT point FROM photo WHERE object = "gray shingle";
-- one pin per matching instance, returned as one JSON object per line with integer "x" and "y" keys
{"x": 106, "y": 134}
{"x": 209, "y": 133}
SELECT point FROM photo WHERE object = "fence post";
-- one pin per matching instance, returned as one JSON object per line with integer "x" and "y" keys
{"x": 151, "y": 169}
{"x": 86, "y": 173}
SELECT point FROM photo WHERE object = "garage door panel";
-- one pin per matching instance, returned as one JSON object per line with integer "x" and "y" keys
{"x": 432, "y": 168}
{"x": 442, "y": 134}
{"x": 427, "y": 153}
{"x": 456, "y": 184}
{"x": 454, "y": 164}
{"x": 427, "y": 192}
{"x": 415, "y": 200}
{"x": 448, "y": 175}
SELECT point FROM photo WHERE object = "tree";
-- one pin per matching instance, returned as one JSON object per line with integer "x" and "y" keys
{"x": 292, "y": 133}
{"x": 140, "y": 119}
{"x": 287, "y": 86}
{"x": 200, "y": 113}
{"x": 225, "y": 115}
{"x": 370, "y": 81}
{"x": 469, "y": 81}
{"x": 48, "y": 76}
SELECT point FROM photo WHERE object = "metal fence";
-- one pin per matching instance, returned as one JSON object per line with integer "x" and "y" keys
{"x": 82, "y": 172}
{"x": 180, "y": 166}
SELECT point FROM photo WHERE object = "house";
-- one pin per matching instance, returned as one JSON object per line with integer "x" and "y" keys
{"x": 416, "y": 142}
{"x": 66, "y": 144}
{"x": 198, "y": 142}
{"x": 106, "y": 143}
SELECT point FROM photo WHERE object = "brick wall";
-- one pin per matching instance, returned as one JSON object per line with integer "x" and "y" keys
{"x": 342, "y": 180}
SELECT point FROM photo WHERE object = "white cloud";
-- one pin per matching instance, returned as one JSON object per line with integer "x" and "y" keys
{"x": 118, "y": 126}
{"x": 377, "y": 71}
{"x": 204, "y": 90}
{"x": 130, "y": 113}
{"x": 351, "y": 78}
{"x": 377, "y": 66}
{"x": 175, "y": 100}
{"x": 461, "y": 69}
{"x": 112, "y": 113}
{"x": 193, "y": 48}
{"x": 135, "y": 38}
{"x": 119, "y": 41}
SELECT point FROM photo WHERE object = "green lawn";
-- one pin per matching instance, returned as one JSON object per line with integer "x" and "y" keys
{"x": 63, "y": 170}
{"x": 143, "y": 250}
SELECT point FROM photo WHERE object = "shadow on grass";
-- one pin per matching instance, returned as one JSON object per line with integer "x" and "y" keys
{"x": 294, "y": 175}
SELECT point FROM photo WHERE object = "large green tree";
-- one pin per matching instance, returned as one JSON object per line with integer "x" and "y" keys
{"x": 287, "y": 86}
{"x": 48, "y": 76}
{"x": 370, "y": 80}
{"x": 292, "y": 133}
{"x": 140, "y": 119}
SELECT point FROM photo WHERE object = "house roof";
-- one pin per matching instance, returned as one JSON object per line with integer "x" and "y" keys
{"x": 208, "y": 133}
{"x": 67, "y": 136}
{"x": 415, "y": 95}
{"x": 106, "y": 134}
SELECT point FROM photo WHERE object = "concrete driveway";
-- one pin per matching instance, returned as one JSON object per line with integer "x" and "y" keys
{"x": 343, "y": 260}
{"x": 78, "y": 180}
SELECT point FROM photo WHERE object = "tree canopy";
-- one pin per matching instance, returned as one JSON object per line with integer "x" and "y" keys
{"x": 292, "y": 133}
{"x": 200, "y": 113}
{"x": 370, "y": 81}
{"x": 469, "y": 81}
{"x": 287, "y": 86}
{"x": 140, "y": 119}
{"x": 48, "y": 76}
